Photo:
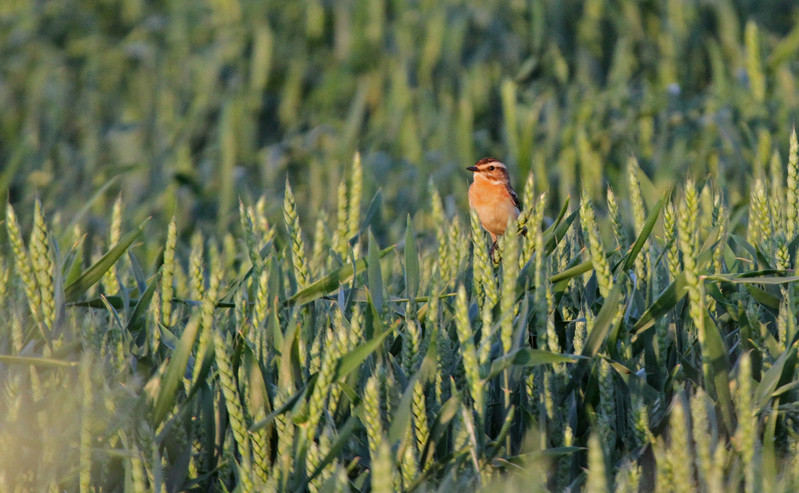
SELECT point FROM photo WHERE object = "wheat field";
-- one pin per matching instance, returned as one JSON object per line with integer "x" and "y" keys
{"x": 236, "y": 252}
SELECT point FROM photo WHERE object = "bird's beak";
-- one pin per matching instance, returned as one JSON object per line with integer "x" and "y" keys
{"x": 473, "y": 168}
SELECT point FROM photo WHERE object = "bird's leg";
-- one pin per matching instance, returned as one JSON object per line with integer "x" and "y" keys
{"x": 491, "y": 252}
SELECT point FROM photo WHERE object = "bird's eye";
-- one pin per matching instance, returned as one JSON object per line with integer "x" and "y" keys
{"x": 490, "y": 168}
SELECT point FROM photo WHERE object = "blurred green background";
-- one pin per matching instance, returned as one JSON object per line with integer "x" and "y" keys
{"x": 188, "y": 106}
{"x": 185, "y": 107}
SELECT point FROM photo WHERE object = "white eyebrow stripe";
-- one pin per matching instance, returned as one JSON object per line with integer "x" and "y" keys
{"x": 493, "y": 163}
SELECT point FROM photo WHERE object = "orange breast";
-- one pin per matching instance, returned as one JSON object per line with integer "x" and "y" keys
{"x": 494, "y": 206}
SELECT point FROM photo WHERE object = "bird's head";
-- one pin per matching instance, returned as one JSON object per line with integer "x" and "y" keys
{"x": 491, "y": 170}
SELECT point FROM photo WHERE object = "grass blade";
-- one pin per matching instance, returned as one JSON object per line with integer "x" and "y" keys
{"x": 527, "y": 357}
{"x": 175, "y": 370}
{"x": 645, "y": 232}
{"x": 96, "y": 271}
{"x": 330, "y": 282}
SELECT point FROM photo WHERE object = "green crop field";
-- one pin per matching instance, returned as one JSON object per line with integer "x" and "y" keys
{"x": 236, "y": 252}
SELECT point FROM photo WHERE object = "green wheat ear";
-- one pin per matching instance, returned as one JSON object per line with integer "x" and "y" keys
{"x": 383, "y": 470}
{"x": 615, "y": 219}
{"x": 223, "y": 349}
{"x": 595, "y": 248}
{"x": 292, "y": 221}
{"x": 43, "y": 265}
{"x": 597, "y": 475}
{"x": 114, "y": 234}
{"x": 340, "y": 237}
{"x": 484, "y": 283}
{"x": 704, "y": 433}
{"x": 747, "y": 444}
{"x": 642, "y": 261}
{"x": 355, "y": 199}
{"x": 510, "y": 271}
{"x": 468, "y": 353}
{"x": 792, "y": 189}
{"x": 679, "y": 454}
{"x": 23, "y": 264}
{"x": 686, "y": 227}
{"x": 167, "y": 288}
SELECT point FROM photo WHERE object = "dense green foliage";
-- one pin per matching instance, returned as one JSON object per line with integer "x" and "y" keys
{"x": 236, "y": 251}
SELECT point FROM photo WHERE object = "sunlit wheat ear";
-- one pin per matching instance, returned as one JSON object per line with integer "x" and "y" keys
{"x": 670, "y": 239}
{"x": 528, "y": 193}
{"x": 285, "y": 430}
{"x": 468, "y": 354}
{"x": 223, "y": 349}
{"x": 760, "y": 224}
{"x": 642, "y": 261}
{"x": 205, "y": 344}
{"x": 679, "y": 454}
{"x": 5, "y": 274}
{"x": 615, "y": 219}
{"x": 114, "y": 234}
{"x": 411, "y": 346}
{"x": 343, "y": 347}
{"x": 746, "y": 442}
{"x": 196, "y": 273}
{"x": 628, "y": 477}
{"x": 722, "y": 220}
{"x": 318, "y": 398}
{"x": 540, "y": 308}
{"x": 261, "y": 450}
{"x": 421, "y": 429}
{"x": 686, "y": 228}
{"x": 408, "y": 461}
{"x": 705, "y": 433}
{"x": 507, "y": 302}
{"x": 250, "y": 242}
{"x": 383, "y": 471}
{"x": 260, "y": 311}
{"x": 370, "y": 418}
{"x": 356, "y": 196}
{"x": 316, "y": 452}
{"x": 340, "y": 238}
{"x": 597, "y": 474}
{"x": 292, "y": 221}
{"x": 595, "y": 248}
{"x": 485, "y": 286}
{"x": 565, "y": 463}
{"x": 456, "y": 253}
{"x": 43, "y": 264}
{"x": 792, "y": 189}
{"x": 487, "y": 337}
{"x": 167, "y": 288}
{"x": 22, "y": 264}
{"x": 533, "y": 224}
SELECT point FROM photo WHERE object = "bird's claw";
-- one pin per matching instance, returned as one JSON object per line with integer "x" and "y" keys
{"x": 492, "y": 251}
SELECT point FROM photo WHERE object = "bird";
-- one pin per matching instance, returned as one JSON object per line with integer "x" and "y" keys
{"x": 492, "y": 196}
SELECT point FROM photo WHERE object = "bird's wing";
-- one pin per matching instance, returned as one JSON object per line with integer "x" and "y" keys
{"x": 515, "y": 197}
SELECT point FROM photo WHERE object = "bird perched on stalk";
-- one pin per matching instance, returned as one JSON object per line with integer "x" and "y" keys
{"x": 492, "y": 196}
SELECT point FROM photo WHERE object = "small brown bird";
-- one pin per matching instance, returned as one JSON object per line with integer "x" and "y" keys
{"x": 492, "y": 196}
